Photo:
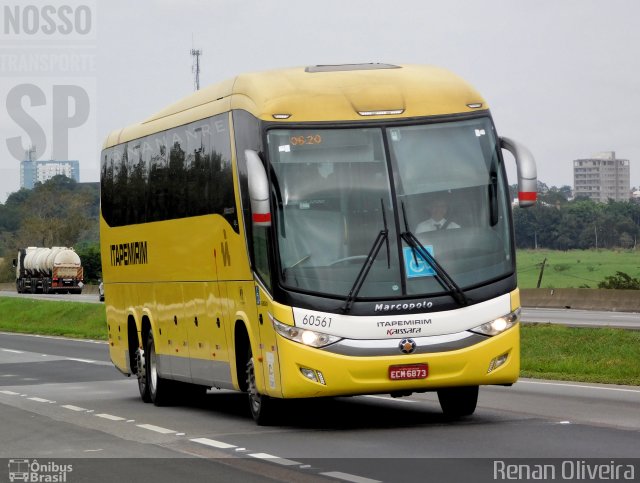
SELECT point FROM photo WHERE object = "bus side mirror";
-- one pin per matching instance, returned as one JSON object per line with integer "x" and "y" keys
{"x": 15, "y": 263}
{"x": 527, "y": 175}
{"x": 258, "y": 189}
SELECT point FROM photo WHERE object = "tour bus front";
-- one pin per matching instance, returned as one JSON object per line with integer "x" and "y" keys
{"x": 394, "y": 257}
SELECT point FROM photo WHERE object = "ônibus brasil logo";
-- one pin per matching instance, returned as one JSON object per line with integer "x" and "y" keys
{"x": 34, "y": 471}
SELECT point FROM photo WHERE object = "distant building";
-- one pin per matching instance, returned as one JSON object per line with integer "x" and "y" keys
{"x": 602, "y": 177}
{"x": 32, "y": 172}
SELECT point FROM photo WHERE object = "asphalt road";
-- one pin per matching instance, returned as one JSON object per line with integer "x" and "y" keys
{"x": 582, "y": 318}
{"x": 63, "y": 399}
{"x": 91, "y": 298}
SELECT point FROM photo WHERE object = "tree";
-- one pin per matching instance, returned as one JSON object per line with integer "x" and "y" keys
{"x": 59, "y": 212}
{"x": 89, "y": 253}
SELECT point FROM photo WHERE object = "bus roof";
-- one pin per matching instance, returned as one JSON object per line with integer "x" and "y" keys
{"x": 353, "y": 92}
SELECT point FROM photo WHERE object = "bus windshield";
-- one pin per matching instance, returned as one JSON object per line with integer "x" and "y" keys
{"x": 441, "y": 183}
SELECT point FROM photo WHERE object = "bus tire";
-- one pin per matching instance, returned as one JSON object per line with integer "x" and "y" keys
{"x": 159, "y": 388}
{"x": 457, "y": 402}
{"x": 261, "y": 406}
{"x": 141, "y": 372}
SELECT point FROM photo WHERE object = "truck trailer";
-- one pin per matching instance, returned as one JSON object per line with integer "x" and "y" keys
{"x": 48, "y": 270}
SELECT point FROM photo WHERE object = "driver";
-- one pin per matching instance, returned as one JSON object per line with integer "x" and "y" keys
{"x": 438, "y": 220}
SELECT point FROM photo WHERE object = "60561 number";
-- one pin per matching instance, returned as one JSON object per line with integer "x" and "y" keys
{"x": 317, "y": 321}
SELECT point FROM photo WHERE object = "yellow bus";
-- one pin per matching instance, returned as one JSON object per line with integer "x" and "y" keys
{"x": 329, "y": 230}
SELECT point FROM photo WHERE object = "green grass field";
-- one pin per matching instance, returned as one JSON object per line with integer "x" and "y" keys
{"x": 68, "y": 319}
{"x": 548, "y": 352}
{"x": 574, "y": 268}
{"x": 581, "y": 354}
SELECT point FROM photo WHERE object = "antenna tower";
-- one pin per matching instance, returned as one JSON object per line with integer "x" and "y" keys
{"x": 195, "y": 68}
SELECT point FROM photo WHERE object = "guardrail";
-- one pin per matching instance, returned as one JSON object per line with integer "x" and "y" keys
{"x": 581, "y": 298}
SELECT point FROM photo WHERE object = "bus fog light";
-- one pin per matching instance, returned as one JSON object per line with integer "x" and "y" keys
{"x": 309, "y": 374}
{"x": 315, "y": 376}
{"x": 497, "y": 362}
{"x": 498, "y": 325}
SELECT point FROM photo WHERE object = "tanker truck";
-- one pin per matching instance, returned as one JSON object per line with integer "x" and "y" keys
{"x": 48, "y": 270}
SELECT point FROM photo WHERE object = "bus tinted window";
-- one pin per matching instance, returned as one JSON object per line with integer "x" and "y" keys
{"x": 183, "y": 172}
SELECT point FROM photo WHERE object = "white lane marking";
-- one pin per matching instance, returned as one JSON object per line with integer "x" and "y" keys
{"x": 111, "y": 417}
{"x": 73, "y": 408}
{"x": 564, "y": 422}
{"x": 12, "y": 351}
{"x": 348, "y": 477}
{"x": 275, "y": 459}
{"x": 88, "y": 361}
{"x": 9, "y": 375}
{"x": 157, "y": 429}
{"x": 131, "y": 420}
{"x": 384, "y": 398}
{"x": 39, "y": 399}
{"x": 10, "y": 393}
{"x": 213, "y": 443}
{"x": 637, "y": 391}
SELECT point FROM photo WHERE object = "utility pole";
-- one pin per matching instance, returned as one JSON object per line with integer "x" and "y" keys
{"x": 195, "y": 68}
{"x": 541, "y": 272}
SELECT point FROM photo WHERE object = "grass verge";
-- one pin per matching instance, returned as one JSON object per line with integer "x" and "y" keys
{"x": 574, "y": 268}
{"x": 70, "y": 319}
{"x": 548, "y": 351}
{"x": 602, "y": 355}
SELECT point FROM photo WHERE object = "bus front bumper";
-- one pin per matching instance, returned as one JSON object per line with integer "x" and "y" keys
{"x": 310, "y": 372}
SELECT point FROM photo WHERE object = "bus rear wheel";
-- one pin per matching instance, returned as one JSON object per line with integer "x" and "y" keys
{"x": 141, "y": 372}
{"x": 261, "y": 406}
{"x": 159, "y": 388}
{"x": 457, "y": 402}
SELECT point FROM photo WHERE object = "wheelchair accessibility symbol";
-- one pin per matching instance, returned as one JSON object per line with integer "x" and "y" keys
{"x": 419, "y": 269}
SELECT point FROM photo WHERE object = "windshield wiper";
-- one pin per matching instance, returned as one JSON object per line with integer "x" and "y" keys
{"x": 382, "y": 237}
{"x": 443, "y": 278}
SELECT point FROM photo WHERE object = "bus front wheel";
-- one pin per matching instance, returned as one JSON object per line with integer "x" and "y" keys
{"x": 261, "y": 406}
{"x": 457, "y": 402}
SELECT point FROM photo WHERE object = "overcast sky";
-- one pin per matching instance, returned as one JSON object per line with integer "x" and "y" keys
{"x": 559, "y": 76}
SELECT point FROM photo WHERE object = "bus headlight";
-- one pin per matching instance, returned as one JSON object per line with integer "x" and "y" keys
{"x": 304, "y": 336}
{"x": 498, "y": 325}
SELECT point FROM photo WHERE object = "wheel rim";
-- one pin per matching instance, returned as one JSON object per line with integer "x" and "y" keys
{"x": 141, "y": 369}
{"x": 153, "y": 368}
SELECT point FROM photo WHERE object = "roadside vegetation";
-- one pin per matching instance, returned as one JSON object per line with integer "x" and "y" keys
{"x": 576, "y": 268}
{"x": 548, "y": 352}
{"x": 59, "y": 212}
{"x": 601, "y": 355}
{"x": 557, "y": 223}
{"x": 69, "y": 319}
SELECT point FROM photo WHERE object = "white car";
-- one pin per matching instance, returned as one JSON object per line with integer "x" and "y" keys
{"x": 101, "y": 291}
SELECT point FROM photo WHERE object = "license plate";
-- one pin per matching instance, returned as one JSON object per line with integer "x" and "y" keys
{"x": 410, "y": 371}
